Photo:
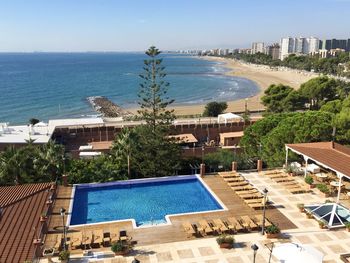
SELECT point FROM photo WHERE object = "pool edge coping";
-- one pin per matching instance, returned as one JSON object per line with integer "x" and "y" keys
{"x": 133, "y": 221}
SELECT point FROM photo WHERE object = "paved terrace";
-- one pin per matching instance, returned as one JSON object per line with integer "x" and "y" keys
{"x": 153, "y": 245}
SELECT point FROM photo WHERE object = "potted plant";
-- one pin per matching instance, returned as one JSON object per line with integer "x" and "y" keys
{"x": 63, "y": 256}
{"x": 301, "y": 207}
{"x": 225, "y": 241}
{"x": 272, "y": 231}
{"x": 347, "y": 225}
{"x": 120, "y": 248}
{"x": 324, "y": 189}
{"x": 309, "y": 215}
{"x": 310, "y": 181}
{"x": 321, "y": 224}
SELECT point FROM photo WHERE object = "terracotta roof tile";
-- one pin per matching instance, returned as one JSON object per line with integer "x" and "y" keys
{"x": 333, "y": 155}
{"x": 19, "y": 221}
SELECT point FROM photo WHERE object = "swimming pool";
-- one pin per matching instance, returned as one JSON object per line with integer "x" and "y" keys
{"x": 146, "y": 202}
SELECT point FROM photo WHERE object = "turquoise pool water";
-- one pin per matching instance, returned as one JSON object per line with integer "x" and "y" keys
{"x": 145, "y": 201}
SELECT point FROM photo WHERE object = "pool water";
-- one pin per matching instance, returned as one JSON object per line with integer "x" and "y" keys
{"x": 145, "y": 201}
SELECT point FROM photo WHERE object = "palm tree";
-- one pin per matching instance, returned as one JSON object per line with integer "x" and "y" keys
{"x": 10, "y": 166}
{"x": 123, "y": 146}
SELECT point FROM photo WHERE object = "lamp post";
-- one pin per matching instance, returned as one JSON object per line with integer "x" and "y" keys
{"x": 62, "y": 212}
{"x": 265, "y": 191}
{"x": 255, "y": 249}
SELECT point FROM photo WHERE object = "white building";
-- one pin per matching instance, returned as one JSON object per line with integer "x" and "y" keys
{"x": 258, "y": 47}
{"x": 298, "y": 45}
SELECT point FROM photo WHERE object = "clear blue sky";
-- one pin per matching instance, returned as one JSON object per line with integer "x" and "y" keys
{"x": 130, "y": 25}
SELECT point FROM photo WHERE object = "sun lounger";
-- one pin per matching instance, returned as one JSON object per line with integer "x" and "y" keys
{"x": 221, "y": 225}
{"x": 106, "y": 239}
{"x": 257, "y": 206}
{"x": 259, "y": 220}
{"x": 206, "y": 227}
{"x": 229, "y": 174}
{"x": 253, "y": 201}
{"x": 235, "y": 179}
{"x": 215, "y": 228}
{"x": 277, "y": 176}
{"x": 190, "y": 231}
{"x": 289, "y": 183}
{"x": 58, "y": 241}
{"x": 248, "y": 222}
{"x": 237, "y": 225}
{"x": 272, "y": 172}
{"x": 298, "y": 190}
{"x": 242, "y": 187}
{"x": 76, "y": 239}
{"x": 97, "y": 237}
{"x": 244, "y": 192}
{"x": 284, "y": 179}
{"x": 199, "y": 230}
{"x": 123, "y": 236}
{"x": 87, "y": 239}
{"x": 114, "y": 234}
{"x": 251, "y": 196}
{"x": 238, "y": 184}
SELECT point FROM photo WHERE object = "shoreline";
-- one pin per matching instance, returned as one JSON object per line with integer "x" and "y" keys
{"x": 263, "y": 76}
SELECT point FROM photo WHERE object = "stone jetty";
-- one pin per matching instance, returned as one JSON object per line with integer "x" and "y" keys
{"x": 107, "y": 108}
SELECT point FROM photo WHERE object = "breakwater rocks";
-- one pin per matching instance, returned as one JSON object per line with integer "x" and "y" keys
{"x": 107, "y": 108}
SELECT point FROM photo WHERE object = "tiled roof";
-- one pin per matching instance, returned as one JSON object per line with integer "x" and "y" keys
{"x": 333, "y": 155}
{"x": 19, "y": 221}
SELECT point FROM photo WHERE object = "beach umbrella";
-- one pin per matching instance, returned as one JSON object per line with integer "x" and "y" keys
{"x": 40, "y": 124}
{"x": 297, "y": 253}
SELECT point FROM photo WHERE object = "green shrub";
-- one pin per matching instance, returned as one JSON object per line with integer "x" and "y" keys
{"x": 309, "y": 179}
{"x": 118, "y": 246}
{"x": 300, "y": 206}
{"x": 64, "y": 255}
{"x": 273, "y": 229}
{"x": 347, "y": 225}
{"x": 323, "y": 188}
{"x": 225, "y": 239}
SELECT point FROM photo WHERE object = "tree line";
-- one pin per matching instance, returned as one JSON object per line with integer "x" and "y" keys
{"x": 338, "y": 65}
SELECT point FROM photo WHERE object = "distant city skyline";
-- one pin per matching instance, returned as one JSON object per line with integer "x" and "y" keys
{"x": 87, "y": 25}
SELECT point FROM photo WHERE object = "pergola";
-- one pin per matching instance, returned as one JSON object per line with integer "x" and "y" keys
{"x": 329, "y": 155}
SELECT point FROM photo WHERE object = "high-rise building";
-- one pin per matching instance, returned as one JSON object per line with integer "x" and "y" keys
{"x": 329, "y": 44}
{"x": 300, "y": 45}
{"x": 273, "y": 50}
{"x": 258, "y": 47}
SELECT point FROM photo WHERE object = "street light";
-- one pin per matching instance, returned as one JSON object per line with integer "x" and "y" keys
{"x": 202, "y": 154}
{"x": 62, "y": 212}
{"x": 265, "y": 191}
{"x": 255, "y": 249}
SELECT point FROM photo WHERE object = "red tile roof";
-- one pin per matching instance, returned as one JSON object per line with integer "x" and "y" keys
{"x": 22, "y": 206}
{"x": 333, "y": 155}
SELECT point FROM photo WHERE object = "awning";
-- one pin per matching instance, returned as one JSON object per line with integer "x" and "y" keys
{"x": 238, "y": 134}
{"x": 228, "y": 116}
{"x": 297, "y": 253}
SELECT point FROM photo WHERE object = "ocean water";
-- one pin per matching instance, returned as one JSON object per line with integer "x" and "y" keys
{"x": 56, "y": 85}
{"x": 147, "y": 202}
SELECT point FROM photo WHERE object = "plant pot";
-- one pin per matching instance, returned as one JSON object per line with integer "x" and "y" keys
{"x": 272, "y": 235}
{"x": 312, "y": 186}
{"x": 225, "y": 245}
{"x": 302, "y": 210}
{"x": 348, "y": 229}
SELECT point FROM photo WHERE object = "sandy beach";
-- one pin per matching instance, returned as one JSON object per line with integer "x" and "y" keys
{"x": 262, "y": 75}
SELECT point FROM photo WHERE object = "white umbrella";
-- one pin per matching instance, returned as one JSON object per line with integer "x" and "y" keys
{"x": 297, "y": 253}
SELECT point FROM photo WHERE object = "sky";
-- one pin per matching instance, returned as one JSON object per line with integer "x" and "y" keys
{"x": 134, "y": 25}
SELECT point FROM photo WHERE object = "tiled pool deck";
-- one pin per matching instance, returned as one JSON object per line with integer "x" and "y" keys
{"x": 331, "y": 243}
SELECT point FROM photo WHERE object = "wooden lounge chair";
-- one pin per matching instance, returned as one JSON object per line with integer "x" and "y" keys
{"x": 87, "y": 239}
{"x": 123, "y": 236}
{"x": 257, "y": 206}
{"x": 216, "y": 229}
{"x": 284, "y": 179}
{"x": 57, "y": 241}
{"x": 199, "y": 230}
{"x": 237, "y": 225}
{"x": 259, "y": 220}
{"x": 238, "y": 184}
{"x": 298, "y": 190}
{"x": 229, "y": 174}
{"x": 106, "y": 239}
{"x": 289, "y": 183}
{"x": 272, "y": 172}
{"x": 76, "y": 239}
{"x": 251, "y": 196}
{"x": 250, "y": 191}
{"x": 248, "y": 223}
{"x": 206, "y": 227}
{"x": 253, "y": 201}
{"x": 242, "y": 187}
{"x": 277, "y": 176}
{"x": 221, "y": 225}
{"x": 188, "y": 228}
{"x": 234, "y": 180}
{"x": 97, "y": 237}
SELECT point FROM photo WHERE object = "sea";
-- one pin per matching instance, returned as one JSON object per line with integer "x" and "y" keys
{"x": 56, "y": 85}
